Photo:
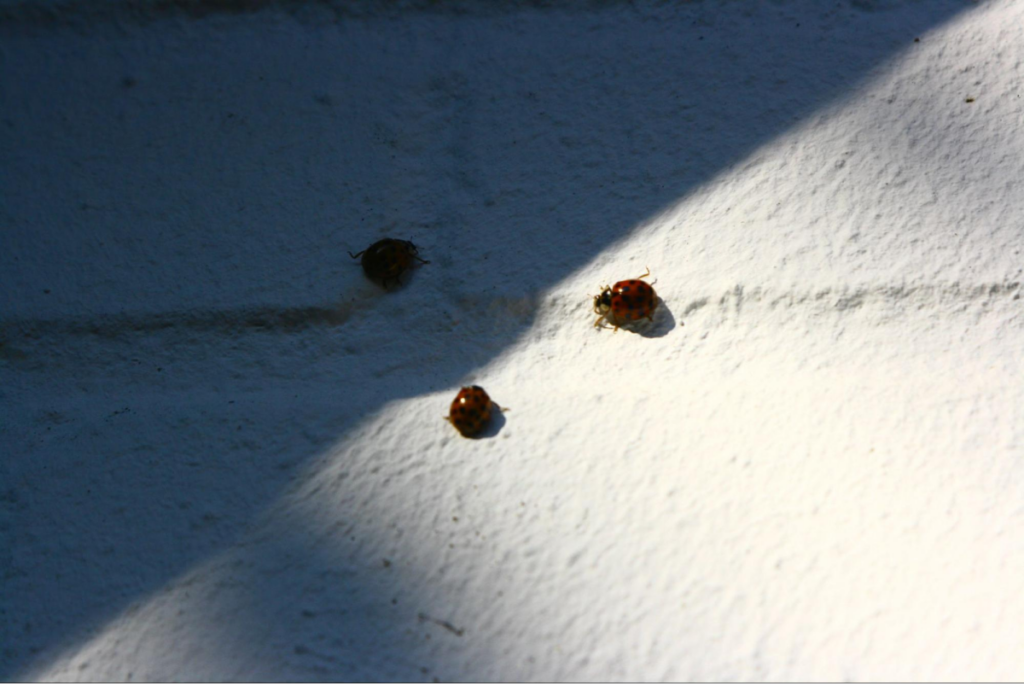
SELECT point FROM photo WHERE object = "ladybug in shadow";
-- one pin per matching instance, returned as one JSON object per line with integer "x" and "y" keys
{"x": 388, "y": 259}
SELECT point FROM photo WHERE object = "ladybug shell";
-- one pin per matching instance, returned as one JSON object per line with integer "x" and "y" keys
{"x": 387, "y": 259}
{"x": 471, "y": 411}
{"x": 632, "y": 300}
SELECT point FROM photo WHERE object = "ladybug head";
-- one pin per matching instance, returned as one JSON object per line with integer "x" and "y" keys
{"x": 603, "y": 301}
{"x": 413, "y": 251}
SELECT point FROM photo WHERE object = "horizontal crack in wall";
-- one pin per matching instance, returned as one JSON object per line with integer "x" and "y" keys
{"x": 216, "y": 321}
{"x": 271, "y": 319}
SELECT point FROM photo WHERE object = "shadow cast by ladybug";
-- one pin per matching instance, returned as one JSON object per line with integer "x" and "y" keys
{"x": 664, "y": 322}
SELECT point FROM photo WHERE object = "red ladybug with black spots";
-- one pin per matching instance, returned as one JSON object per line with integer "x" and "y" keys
{"x": 471, "y": 411}
{"x": 388, "y": 259}
{"x": 625, "y": 302}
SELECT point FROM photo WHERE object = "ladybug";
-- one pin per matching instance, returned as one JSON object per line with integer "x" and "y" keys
{"x": 388, "y": 259}
{"x": 471, "y": 411}
{"x": 626, "y": 301}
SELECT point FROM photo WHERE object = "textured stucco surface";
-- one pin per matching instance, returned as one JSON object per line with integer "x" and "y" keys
{"x": 223, "y": 449}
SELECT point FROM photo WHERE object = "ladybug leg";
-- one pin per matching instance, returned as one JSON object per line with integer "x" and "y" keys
{"x": 356, "y": 256}
{"x": 417, "y": 258}
{"x": 645, "y": 274}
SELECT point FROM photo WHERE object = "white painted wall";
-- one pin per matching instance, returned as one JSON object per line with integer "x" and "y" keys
{"x": 225, "y": 457}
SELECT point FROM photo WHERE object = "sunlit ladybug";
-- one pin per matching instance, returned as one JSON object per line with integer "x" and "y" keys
{"x": 388, "y": 259}
{"x": 626, "y": 301}
{"x": 471, "y": 411}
